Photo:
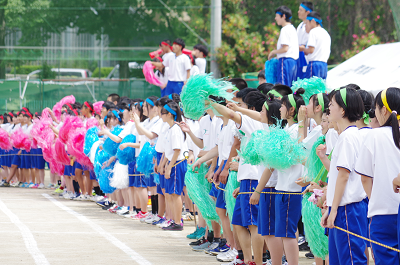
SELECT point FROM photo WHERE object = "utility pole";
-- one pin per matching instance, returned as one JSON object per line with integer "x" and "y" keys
{"x": 216, "y": 32}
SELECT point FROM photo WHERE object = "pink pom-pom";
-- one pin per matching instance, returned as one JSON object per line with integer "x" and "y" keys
{"x": 148, "y": 73}
{"x": 71, "y": 123}
{"x": 56, "y": 168}
{"x": 20, "y": 140}
{"x": 58, "y": 106}
{"x": 91, "y": 122}
{"x": 75, "y": 147}
{"x": 5, "y": 142}
{"x": 34, "y": 143}
{"x": 97, "y": 106}
{"x": 316, "y": 194}
{"x": 60, "y": 155}
{"x": 41, "y": 129}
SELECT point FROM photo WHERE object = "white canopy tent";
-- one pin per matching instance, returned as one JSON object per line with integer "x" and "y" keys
{"x": 374, "y": 69}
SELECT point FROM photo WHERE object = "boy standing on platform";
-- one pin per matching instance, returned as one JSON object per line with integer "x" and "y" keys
{"x": 288, "y": 47}
{"x": 318, "y": 47}
{"x": 305, "y": 8}
{"x": 200, "y": 52}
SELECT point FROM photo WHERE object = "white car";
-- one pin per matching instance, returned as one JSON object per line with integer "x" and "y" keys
{"x": 67, "y": 73}
{"x": 114, "y": 74}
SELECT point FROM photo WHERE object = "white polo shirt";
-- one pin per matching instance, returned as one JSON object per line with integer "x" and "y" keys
{"x": 248, "y": 126}
{"x": 175, "y": 140}
{"x": 379, "y": 159}
{"x": 204, "y": 132}
{"x": 302, "y": 34}
{"x": 345, "y": 154}
{"x": 168, "y": 60}
{"x": 331, "y": 138}
{"x": 194, "y": 127}
{"x": 178, "y": 68}
{"x": 225, "y": 141}
{"x": 201, "y": 63}
{"x": 288, "y": 36}
{"x": 161, "y": 130}
{"x": 287, "y": 177}
{"x": 320, "y": 39}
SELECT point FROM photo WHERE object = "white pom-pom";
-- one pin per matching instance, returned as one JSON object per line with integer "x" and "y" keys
{"x": 93, "y": 150}
{"x": 120, "y": 178}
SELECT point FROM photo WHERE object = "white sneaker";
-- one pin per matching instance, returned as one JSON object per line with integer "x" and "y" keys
{"x": 41, "y": 186}
{"x": 130, "y": 214}
{"x": 164, "y": 224}
{"x": 123, "y": 210}
{"x": 155, "y": 218}
{"x": 236, "y": 261}
{"x": 97, "y": 198}
{"x": 148, "y": 217}
{"x": 80, "y": 198}
{"x": 230, "y": 255}
{"x": 63, "y": 193}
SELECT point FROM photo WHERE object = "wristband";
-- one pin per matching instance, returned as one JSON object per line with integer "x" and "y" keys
{"x": 301, "y": 126}
{"x": 257, "y": 192}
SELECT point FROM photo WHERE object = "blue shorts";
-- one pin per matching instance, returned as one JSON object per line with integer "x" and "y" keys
{"x": 161, "y": 185}
{"x": 92, "y": 176}
{"x": 287, "y": 214}
{"x": 345, "y": 249}
{"x": 174, "y": 185}
{"x": 69, "y": 171}
{"x": 33, "y": 157}
{"x": 220, "y": 203}
{"x": 245, "y": 214}
{"x": 16, "y": 159}
{"x": 172, "y": 87}
{"x": 150, "y": 181}
{"x": 80, "y": 166}
{"x": 287, "y": 71}
{"x": 26, "y": 162}
{"x": 381, "y": 230}
{"x": 316, "y": 68}
{"x": 140, "y": 181}
{"x": 40, "y": 162}
{"x": 131, "y": 171}
{"x": 301, "y": 62}
{"x": 266, "y": 213}
{"x": 2, "y": 157}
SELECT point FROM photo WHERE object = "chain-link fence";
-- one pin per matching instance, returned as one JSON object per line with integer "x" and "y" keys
{"x": 38, "y": 94}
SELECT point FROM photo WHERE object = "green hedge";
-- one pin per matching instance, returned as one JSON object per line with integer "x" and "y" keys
{"x": 105, "y": 71}
{"x": 26, "y": 69}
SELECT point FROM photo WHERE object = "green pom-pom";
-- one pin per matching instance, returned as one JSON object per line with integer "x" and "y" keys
{"x": 314, "y": 164}
{"x": 197, "y": 90}
{"x": 198, "y": 189}
{"x": 231, "y": 185}
{"x": 314, "y": 232}
{"x": 313, "y": 85}
{"x": 272, "y": 148}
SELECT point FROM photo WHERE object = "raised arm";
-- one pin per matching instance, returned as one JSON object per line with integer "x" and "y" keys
{"x": 227, "y": 113}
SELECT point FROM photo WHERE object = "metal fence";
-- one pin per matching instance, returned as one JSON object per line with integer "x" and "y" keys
{"x": 39, "y": 94}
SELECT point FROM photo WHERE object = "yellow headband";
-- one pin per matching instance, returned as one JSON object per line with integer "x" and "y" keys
{"x": 383, "y": 96}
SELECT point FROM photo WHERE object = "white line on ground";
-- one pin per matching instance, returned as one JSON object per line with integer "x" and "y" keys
{"x": 133, "y": 254}
{"x": 27, "y": 236}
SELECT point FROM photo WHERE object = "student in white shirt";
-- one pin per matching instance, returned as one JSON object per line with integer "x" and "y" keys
{"x": 318, "y": 48}
{"x": 345, "y": 194}
{"x": 200, "y": 51}
{"x": 378, "y": 164}
{"x": 305, "y": 8}
{"x": 179, "y": 69}
{"x": 195, "y": 69}
{"x": 175, "y": 169}
{"x": 287, "y": 47}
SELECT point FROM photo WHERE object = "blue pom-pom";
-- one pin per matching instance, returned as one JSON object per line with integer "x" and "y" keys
{"x": 91, "y": 137}
{"x": 101, "y": 157}
{"x": 127, "y": 155}
{"x": 109, "y": 145}
{"x": 104, "y": 180}
{"x": 271, "y": 70}
{"x": 144, "y": 162}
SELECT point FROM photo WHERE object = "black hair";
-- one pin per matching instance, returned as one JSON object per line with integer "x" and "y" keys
{"x": 153, "y": 99}
{"x": 175, "y": 107}
{"x": 315, "y": 101}
{"x": 166, "y": 41}
{"x": 192, "y": 59}
{"x": 273, "y": 111}
{"x": 355, "y": 107}
{"x": 353, "y": 86}
{"x": 285, "y": 11}
{"x": 162, "y": 101}
{"x": 91, "y": 106}
{"x": 299, "y": 102}
{"x": 309, "y": 5}
{"x": 239, "y": 83}
{"x": 316, "y": 15}
{"x": 163, "y": 69}
{"x": 123, "y": 106}
{"x": 109, "y": 105}
{"x": 114, "y": 97}
{"x": 265, "y": 88}
{"x": 72, "y": 113}
{"x": 111, "y": 115}
{"x": 77, "y": 105}
{"x": 282, "y": 89}
{"x": 243, "y": 93}
{"x": 255, "y": 99}
{"x": 6, "y": 118}
{"x": 176, "y": 98}
{"x": 261, "y": 74}
{"x": 393, "y": 101}
{"x": 368, "y": 100}
{"x": 139, "y": 106}
{"x": 219, "y": 100}
{"x": 202, "y": 48}
{"x": 180, "y": 42}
